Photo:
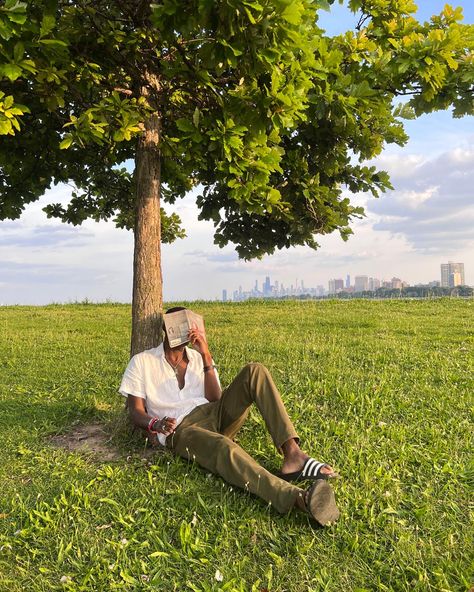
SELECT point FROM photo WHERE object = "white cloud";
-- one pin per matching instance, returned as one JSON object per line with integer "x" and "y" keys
{"x": 43, "y": 260}
{"x": 432, "y": 205}
{"x": 414, "y": 199}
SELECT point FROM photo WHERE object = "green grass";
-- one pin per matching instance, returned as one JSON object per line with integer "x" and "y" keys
{"x": 381, "y": 390}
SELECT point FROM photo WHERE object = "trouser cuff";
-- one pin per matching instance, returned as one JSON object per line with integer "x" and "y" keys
{"x": 289, "y": 435}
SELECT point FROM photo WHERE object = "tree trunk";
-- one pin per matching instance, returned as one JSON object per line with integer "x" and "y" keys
{"x": 147, "y": 300}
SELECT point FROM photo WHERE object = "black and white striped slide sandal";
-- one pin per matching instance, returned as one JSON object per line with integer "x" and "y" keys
{"x": 311, "y": 471}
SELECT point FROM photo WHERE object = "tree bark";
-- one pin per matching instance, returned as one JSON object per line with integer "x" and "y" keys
{"x": 147, "y": 303}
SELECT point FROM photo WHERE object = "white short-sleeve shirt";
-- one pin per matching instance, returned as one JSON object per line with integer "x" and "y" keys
{"x": 150, "y": 376}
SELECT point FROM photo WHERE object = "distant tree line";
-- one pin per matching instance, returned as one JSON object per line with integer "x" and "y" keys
{"x": 408, "y": 292}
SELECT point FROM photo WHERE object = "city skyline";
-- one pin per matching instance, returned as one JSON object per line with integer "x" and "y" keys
{"x": 454, "y": 271}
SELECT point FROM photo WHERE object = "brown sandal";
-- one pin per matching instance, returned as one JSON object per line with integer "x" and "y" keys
{"x": 321, "y": 504}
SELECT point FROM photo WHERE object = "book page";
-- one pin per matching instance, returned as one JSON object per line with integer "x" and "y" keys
{"x": 178, "y": 325}
{"x": 196, "y": 320}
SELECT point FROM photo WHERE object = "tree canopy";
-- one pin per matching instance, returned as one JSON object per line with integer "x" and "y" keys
{"x": 272, "y": 117}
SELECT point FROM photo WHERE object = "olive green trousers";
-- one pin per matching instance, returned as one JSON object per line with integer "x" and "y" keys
{"x": 206, "y": 436}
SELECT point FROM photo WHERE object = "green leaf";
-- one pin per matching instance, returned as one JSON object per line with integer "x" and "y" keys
{"x": 405, "y": 111}
{"x": 8, "y": 102}
{"x": 184, "y": 125}
{"x": 47, "y": 25}
{"x": 5, "y": 127}
{"x": 250, "y": 15}
{"x": 293, "y": 12}
{"x": 11, "y": 71}
{"x": 66, "y": 143}
{"x": 53, "y": 42}
{"x": 18, "y": 13}
{"x": 274, "y": 195}
{"x": 6, "y": 30}
{"x": 18, "y": 51}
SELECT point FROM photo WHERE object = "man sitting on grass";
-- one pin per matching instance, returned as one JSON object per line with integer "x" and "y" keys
{"x": 175, "y": 394}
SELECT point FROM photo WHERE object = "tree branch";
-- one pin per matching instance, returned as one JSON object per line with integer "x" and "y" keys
{"x": 362, "y": 21}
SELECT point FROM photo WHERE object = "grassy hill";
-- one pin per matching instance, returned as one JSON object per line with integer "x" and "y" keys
{"x": 381, "y": 390}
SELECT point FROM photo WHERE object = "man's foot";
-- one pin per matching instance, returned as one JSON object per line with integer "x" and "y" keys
{"x": 294, "y": 460}
{"x": 305, "y": 467}
{"x": 298, "y": 466}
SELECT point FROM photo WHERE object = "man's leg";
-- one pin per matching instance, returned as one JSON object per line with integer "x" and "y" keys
{"x": 220, "y": 455}
{"x": 195, "y": 439}
{"x": 254, "y": 384}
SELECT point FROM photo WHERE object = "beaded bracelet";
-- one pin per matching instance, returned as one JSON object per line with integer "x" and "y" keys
{"x": 151, "y": 423}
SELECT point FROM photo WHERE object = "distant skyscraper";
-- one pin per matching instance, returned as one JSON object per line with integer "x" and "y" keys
{"x": 374, "y": 283}
{"x": 267, "y": 288}
{"x": 335, "y": 286}
{"x": 361, "y": 283}
{"x": 224, "y": 295}
{"x": 396, "y": 283}
{"x": 452, "y": 274}
{"x": 348, "y": 281}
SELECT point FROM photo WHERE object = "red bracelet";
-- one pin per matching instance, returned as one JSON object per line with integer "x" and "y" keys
{"x": 151, "y": 423}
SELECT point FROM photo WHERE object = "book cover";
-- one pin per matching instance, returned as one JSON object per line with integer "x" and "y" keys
{"x": 178, "y": 325}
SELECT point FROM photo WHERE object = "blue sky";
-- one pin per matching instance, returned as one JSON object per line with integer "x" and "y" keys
{"x": 408, "y": 233}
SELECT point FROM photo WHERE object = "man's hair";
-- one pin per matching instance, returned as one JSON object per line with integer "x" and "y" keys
{"x": 175, "y": 309}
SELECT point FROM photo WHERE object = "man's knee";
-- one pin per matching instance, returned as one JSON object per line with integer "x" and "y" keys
{"x": 255, "y": 368}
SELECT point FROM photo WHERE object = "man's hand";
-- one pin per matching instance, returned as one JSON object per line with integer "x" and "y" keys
{"x": 212, "y": 389}
{"x": 198, "y": 341}
{"x": 166, "y": 426}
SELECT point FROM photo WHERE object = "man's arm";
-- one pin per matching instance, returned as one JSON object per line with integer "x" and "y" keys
{"x": 140, "y": 418}
{"x": 212, "y": 388}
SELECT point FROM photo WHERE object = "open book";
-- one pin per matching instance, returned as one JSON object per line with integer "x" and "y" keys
{"x": 178, "y": 325}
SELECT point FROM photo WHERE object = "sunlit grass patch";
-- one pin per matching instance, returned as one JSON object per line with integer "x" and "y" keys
{"x": 381, "y": 390}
